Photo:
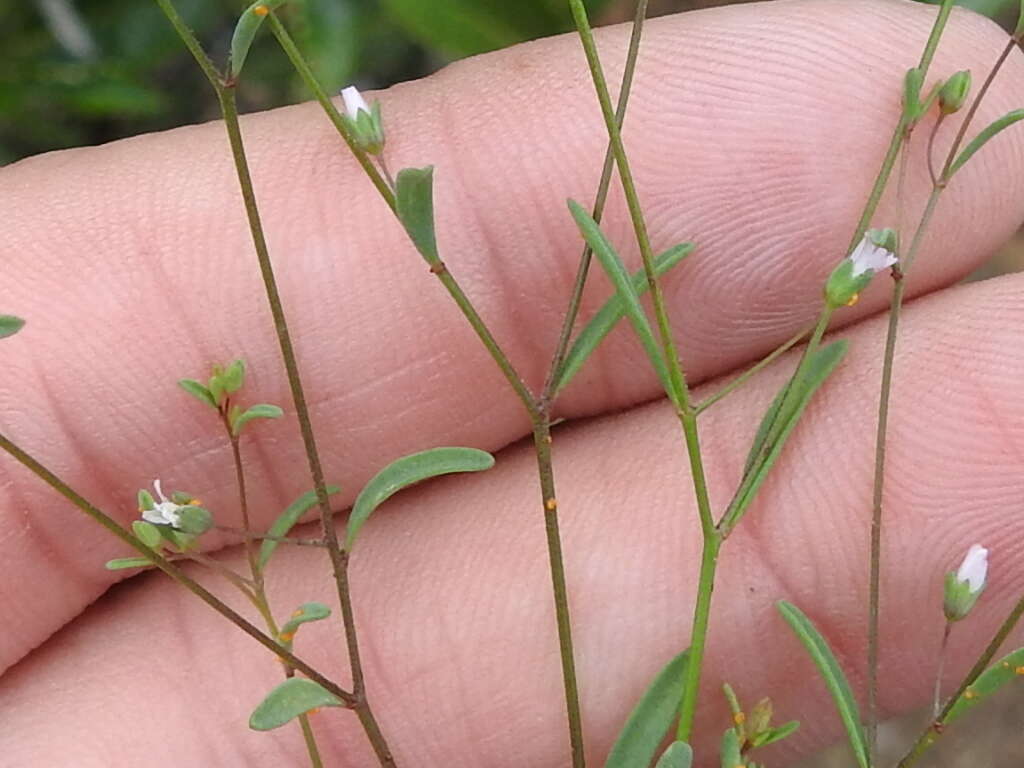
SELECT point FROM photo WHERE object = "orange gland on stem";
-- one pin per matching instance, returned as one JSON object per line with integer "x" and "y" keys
{"x": 261, "y": 10}
{"x": 550, "y": 505}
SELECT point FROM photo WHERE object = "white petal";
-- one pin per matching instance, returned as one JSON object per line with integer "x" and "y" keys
{"x": 974, "y": 568}
{"x": 354, "y": 101}
{"x": 868, "y": 256}
{"x": 159, "y": 492}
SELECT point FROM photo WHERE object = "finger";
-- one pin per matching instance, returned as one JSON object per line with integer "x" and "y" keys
{"x": 134, "y": 265}
{"x": 459, "y": 640}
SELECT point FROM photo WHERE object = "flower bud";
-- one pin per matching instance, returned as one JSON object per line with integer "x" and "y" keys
{"x": 954, "y": 92}
{"x": 363, "y": 122}
{"x": 965, "y": 585}
{"x": 854, "y": 273}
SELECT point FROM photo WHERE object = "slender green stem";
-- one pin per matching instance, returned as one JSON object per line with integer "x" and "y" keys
{"x": 902, "y": 131}
{"x": 744, "y": 377}
{"x": 937, "y": 698}
{"x": 242, "y": 533}
{"x": 931, "y": 733}
{"x": 161, "y": 562}
{"x": 192, "y": 43}
{"x": 679, "y": 391}
{"x": 338, "y": 558}
{"x": 576, "y": 297}
{"x": 542, "y": 446}
{"x": 259, "y": 592}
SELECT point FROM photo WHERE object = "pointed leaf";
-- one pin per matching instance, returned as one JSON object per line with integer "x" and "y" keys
{"x": 198, "y": 391}
{"x": 414, "y": 204}
{"x": 407, "y": 471}
{"x": 610, "y": 314}
{"x": 292, "y": 698}
{"x": 651, "y": 718}
{"x": 287, "y": 519}
{"x": 678, "y": 755}
{"x": 262, "y": 411}
{"x": 10, "y": 325}
{"x": 731, "y": 755}
{"x": 988, "y": 133}
{"x": 620, "y": 279}
{"x": 1010, "y": 667}
{"x": 833, "y": 676}
{"x": 304, "y": 614}
{"x": 245, "y": 31}
{"x": 772, "y": 735}
{"x": 766, "y": 449}
{"x": 121, "y": 563}
{"x": 147, "y": 533}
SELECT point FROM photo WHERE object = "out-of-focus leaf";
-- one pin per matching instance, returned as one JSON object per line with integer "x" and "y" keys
{"x": 1008, "y": 668}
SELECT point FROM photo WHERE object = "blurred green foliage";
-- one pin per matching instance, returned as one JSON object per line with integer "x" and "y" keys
{"x": 87, "y": 71}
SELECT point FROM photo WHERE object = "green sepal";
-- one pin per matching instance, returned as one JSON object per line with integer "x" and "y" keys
{"x": 198, "y": 391}
{"x": 678, "y": 755}
{"x": 651, "y": 718}
{"x": 287, "y": 519}
{"x": 954, "y": 91}
{"x": 147, "y": 533}
{"x": 10, "y": 325}
{"x": 1006, "y": 670}
{"x": 407, "y": 471}
{"x": 304, "y": 614}
{"x": 262, "y": 411}
{"x": 295, "y": 696}
{"x": 957, "y": 597}
{"x": 833, "y": 676}
{"x": 245, "y": 32}
{"x": 414, "y": 206}
{"x": 912, "y": 82}
{"x": 146, "y": 500}
{"x": 194, "y": 520}
{"x": 121, "y": 563}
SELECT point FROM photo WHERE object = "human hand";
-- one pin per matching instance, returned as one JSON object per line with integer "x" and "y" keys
{"x": 754, "y": 131}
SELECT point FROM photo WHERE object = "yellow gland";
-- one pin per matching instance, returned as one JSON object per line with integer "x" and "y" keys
{"x": 550, "y": 504}
{"x": 1018, "y": 671}
{"x": 287, "y": 637}
{"x": 296, "y": 613}
{"x": 194, "y": 503}
{"x": 739, "y": 718}
{"x": 970, "y": 695}
{"x": 853, "y": 300}
{"x": 261, "y": 10}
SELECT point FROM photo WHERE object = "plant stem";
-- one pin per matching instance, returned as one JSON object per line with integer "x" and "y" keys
{"x": 542, "y": 446}
{"x": 171, "y": 570}
{"x": 339, "y": 561}
{"x": 582, "y": 271}
{"x": 259, "y": 592}
{"x": 937, "y": 699}
{"x": 742, "y": 379}
{"x": 931, "y": 733}
{"x": 698, "y": 635}
{"x": 242, "y": 533}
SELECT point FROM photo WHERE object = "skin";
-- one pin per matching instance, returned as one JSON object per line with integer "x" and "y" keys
{"x": 754, "y": 130}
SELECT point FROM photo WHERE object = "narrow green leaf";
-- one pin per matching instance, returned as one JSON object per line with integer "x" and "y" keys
{"x": 1010, "y": 667}
{"x": 833, "y": 676}
{"x": 147, "y": 533}
{"x": 304, "y": 614}
{"x": 731, "y": 755}
{"x": 610, "y": 314}
{"x": 407, "y": 471}
{"x": 988, "y": 133}
{"x": 287, "y": 519}
{"x": 262, "y": 411}
{"x": 198, "y": 391}
{"x": 245, "y": 32}
{"x": 10, "y": 325}
{"x": 651, "y": 718}
{"x": 121, "y": 563}
{"x": 1018, "y": 30}
{"x": 772, "y": 735}
{"x": 414, "y": 202}
{"x": 763, "y": 454}
{"x": 624, "y": 287}
{"x": 292, "y": 698}
{"x": 678, "y": 755}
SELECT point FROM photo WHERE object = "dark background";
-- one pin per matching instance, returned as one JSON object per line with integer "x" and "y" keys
{"x": 79, "y": 72}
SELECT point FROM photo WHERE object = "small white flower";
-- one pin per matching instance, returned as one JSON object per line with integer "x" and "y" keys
{"x": 868, "y": 256}
{"x": 974, "y": 568}
{"x": 164, "y": 512}
{"x": 354, "y": 102}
